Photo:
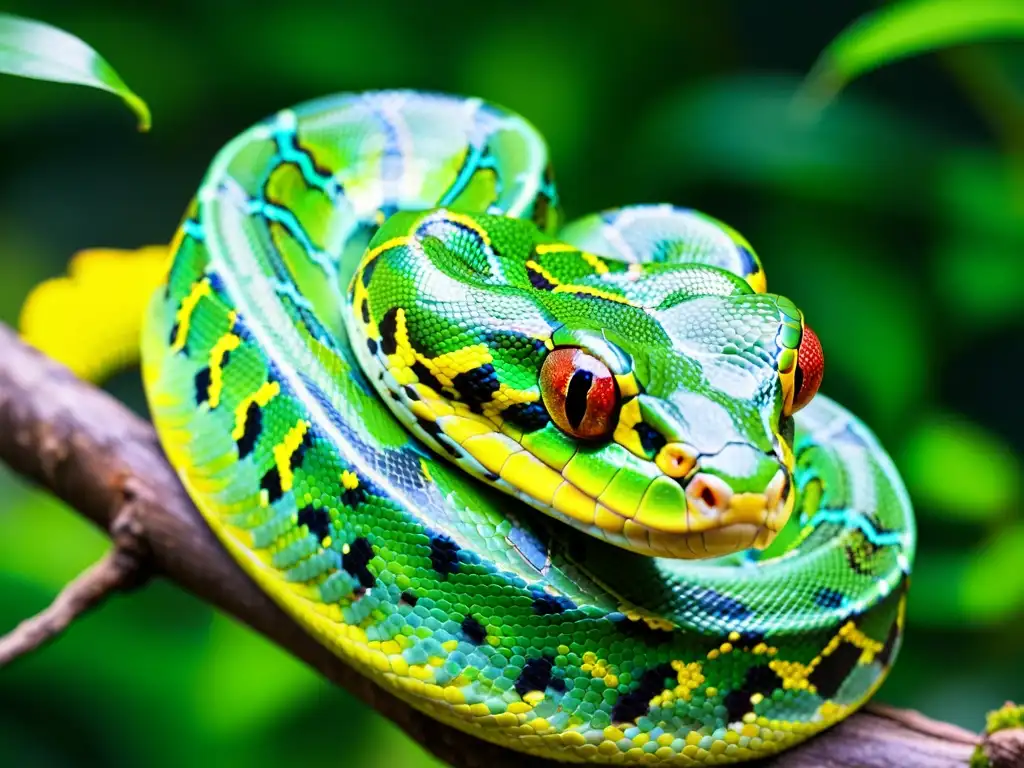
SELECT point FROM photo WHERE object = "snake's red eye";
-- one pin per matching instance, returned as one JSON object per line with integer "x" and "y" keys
{"x": 810, "y": 366}
{"x": 579, "y": 393}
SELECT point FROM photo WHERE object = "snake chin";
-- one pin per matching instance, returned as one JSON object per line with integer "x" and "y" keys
{"x": 720, "y": 521}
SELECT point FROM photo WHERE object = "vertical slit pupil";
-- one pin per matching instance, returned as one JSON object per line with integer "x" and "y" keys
{"x": 576, "y": 397}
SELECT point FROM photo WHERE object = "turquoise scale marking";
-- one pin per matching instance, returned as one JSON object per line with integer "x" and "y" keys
{"x": 194, "y": 230}
{"x": 472, "y": 163}
{"x": 860, "y": 521}
{"x": 273, "y": 212}
{"x": 286, "y": 140}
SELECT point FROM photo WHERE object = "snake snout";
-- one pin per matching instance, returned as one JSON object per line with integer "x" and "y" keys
{"x": 736, "y": 499}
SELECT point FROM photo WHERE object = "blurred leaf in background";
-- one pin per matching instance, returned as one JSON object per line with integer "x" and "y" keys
{"x": 909, "y": 28}
{"x": 893, "y": 220}
{"x": 39, "y": 51}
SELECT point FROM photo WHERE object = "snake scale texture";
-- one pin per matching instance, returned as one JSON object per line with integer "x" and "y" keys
{"x": 569, "y": 489}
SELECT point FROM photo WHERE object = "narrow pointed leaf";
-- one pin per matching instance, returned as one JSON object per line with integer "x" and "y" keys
{"x": 906, "y": 29}
{"x": 37, "y": 50}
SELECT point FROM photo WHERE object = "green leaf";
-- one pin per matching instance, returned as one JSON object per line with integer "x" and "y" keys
{"x": 945, "y": 448}
{"x": 37, "y": 50}
{"x": 906, "y": 29}
{"x": 991, "y": 589}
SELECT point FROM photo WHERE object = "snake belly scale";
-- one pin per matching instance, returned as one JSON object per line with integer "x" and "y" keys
{"x": 523, "y": 477}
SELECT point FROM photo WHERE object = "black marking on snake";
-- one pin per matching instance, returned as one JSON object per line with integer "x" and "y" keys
{"x": 491, "y": 476}
{"x": 529, "y": 417}
{"x": 202, "y": 382}
{"x": 271, "y": 483}
{"x": 444, "y": 554}
{"x": 717, "y": 604}
{"x": 557, "y": 684}
{"x": 536, "y": 675}
{"x": 480, "y": 245}
{"x": 798, "y": 379}
{"x": 473, "y": 630}
{"x": 359, "y": 554}
{"x": 576, "y": 397}
{"x": 371, "y": 344}
{"x": 173, "y": 337}
{"x": 749, "y": 639}
{"x": 859, "y": 556}
{"x": 825, "y": 597}
{"x": 365, "y": 311}
{"x": 353, "y": 497}
{"x": 434, "y": 430}
{"x": 424, "y": 376}
{"x": 545, "y": 604}
{"x": 252, "y": 427}
{"x": 759, "y": 679}
{"x": 885, "y": 655}
{"x": 477, "y": 386}
{"x": 411, "y": 392}
{"x": 295, "y": 460}
{"x": 388, "y": 328}
{"x": 833, "y": 669}
{"x": 537, "y": 279}
{"x": 788, "y": 430}
{"x": 641, "y": 630}
{"x": 651, "y": 440}
{"x": 368, "y": 272}
{"x": 544, "y": 200}
{"x": 317, "y": 520}
{"x": 636, "y": 703}
{"x": 408, "y": 598}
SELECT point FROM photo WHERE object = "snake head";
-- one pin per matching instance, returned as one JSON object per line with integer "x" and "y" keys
{"x": 694, "y": 443}
{"x": 650, "y": 405}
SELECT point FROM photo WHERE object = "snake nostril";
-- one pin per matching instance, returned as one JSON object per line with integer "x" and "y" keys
{"x": 676, "y": 459}
{"x": 711, "y": 492}
{"x": 708, "y": 496}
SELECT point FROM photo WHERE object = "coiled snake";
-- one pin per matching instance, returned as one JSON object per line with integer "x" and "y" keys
{"x": 376, "y": 357}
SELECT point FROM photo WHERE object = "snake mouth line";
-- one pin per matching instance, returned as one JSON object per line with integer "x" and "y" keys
{"x": 716, "y": 520}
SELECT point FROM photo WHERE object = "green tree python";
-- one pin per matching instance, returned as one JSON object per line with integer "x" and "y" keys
{"x": 534, "y": 480}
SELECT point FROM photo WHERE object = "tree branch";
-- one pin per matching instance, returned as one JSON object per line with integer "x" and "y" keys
{"x": 101, "y": 459}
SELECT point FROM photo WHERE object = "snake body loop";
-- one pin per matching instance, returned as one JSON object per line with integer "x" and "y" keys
{"x": 370, "y": 339}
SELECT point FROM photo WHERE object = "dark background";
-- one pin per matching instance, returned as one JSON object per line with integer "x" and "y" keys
{"x": 894, "y": 222}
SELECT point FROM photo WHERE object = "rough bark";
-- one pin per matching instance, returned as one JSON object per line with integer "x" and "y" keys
{"x": 105, "y": 462}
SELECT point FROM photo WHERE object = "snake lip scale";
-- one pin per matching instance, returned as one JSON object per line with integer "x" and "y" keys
{"x": 568, "y": 488}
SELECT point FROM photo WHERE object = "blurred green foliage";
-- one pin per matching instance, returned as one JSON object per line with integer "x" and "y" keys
{"x": 894, "y": 221}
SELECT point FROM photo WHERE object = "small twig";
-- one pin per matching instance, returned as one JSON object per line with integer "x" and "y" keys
{"x": 118, "y": 570}
{"x": 90, "y": 450}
